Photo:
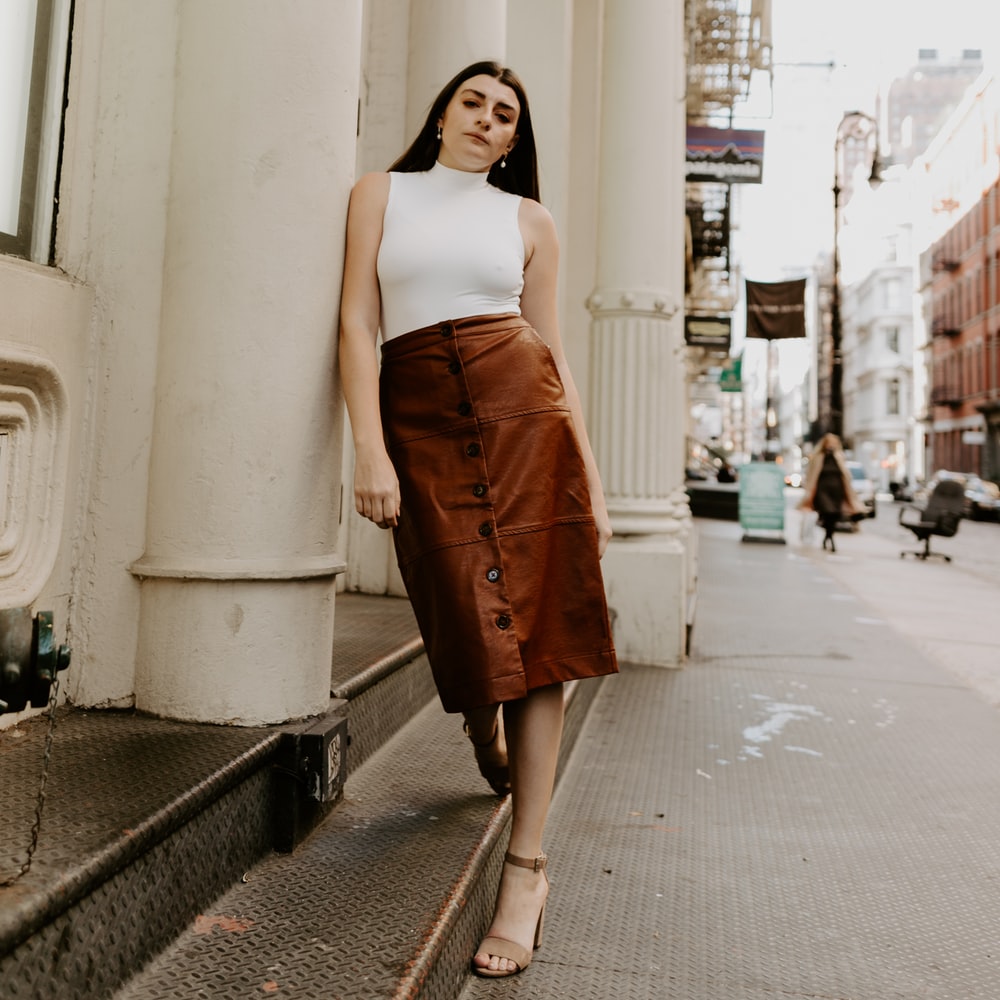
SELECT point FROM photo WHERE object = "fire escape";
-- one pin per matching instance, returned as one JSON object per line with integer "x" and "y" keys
{"x": 728, "y": 40}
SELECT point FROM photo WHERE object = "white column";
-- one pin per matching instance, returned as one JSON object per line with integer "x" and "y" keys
{"x": 540, "y": 51}
{"x": 636, "y": 386}
{"x": 238, "y": 571}
{"x": 445, "y": 36}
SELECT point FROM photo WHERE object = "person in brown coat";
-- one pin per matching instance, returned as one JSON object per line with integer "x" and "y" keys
{"x": 828, "y": 487}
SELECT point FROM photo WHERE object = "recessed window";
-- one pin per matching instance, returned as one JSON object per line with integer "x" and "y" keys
{"x": 892, "y": 294}
{"x": 892, "y": 397}
{"x": 31, "y": 97}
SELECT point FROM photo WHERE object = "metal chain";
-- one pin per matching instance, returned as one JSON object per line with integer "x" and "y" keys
{"x": 36, "y": 828}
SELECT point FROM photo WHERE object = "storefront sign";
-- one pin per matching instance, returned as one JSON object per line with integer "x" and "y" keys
{"x": 708, "y": 331}
{"x": 724, "y": 155}
{"x": 762, "y": 498}
{"x": 731, "y": 376}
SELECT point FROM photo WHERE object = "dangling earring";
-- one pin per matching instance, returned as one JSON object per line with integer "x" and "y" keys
{"x": 503, "y": 162}
{"x": 439, "y": 133}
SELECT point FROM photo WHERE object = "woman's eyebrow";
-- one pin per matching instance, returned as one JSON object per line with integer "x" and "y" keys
{"x": 482, "y": 97}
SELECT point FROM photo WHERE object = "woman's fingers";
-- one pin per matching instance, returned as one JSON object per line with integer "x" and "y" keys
{"x": 380, "y": 509}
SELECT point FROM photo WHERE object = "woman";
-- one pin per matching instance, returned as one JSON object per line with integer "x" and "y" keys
{"x": 471, "y": 446}
{"x": 828, "y": 487}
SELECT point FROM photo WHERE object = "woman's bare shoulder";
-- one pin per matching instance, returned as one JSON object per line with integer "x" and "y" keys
{"x": 534, "y": 214}
{"x": 371, "y": 190}
{"x": 538, "y": 228}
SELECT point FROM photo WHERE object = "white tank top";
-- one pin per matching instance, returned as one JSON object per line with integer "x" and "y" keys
{"x": 451, "y": 247}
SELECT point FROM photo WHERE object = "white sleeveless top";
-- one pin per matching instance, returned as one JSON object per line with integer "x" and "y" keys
{"x": 451, "y": 247}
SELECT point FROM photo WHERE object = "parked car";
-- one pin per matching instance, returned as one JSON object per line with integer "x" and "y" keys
{"x": 923, "y": 492}
{"x": 863, "y": 486}
{"x": 982, "y": 498}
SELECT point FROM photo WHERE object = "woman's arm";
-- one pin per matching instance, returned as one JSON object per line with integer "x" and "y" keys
{"x": 539, "y": 307}
{"x": 376, "y": 488}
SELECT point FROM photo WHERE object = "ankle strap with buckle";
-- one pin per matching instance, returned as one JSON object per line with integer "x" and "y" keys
{"x": 533, "y": 864}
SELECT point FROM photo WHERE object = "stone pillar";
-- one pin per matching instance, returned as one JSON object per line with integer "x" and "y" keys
{"x": 636, "y": 398}
{"x": 446, "y": 35}
{"x": 238, "y": 573}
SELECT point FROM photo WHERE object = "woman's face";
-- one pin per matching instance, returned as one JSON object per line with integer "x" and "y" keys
{"x": 479, "y": 125}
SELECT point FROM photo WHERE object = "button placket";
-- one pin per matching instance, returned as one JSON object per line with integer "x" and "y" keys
{"x": 502, "y": 619}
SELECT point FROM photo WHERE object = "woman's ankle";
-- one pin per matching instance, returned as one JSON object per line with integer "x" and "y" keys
{"x": 482, "y": 725}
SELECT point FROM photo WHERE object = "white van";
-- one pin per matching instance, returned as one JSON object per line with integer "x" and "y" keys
{"x": 863, "y": 486}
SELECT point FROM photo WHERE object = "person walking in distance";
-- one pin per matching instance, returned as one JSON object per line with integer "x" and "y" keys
{"x": 471, "y": 447}
{"x": 828, "y": 488}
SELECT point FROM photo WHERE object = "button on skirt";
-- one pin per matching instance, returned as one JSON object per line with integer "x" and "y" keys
{"x": 496, "y": 540}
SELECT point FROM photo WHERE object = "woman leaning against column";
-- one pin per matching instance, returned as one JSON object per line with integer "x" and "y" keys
{"x": 470, "y": 445}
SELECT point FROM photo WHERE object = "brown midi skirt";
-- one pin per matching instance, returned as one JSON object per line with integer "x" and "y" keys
{"x": 496, "y": 540}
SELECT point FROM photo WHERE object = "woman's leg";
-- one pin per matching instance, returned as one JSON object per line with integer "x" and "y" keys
{"x": 534, "y": 733}
{"x": 829, "y": 526}
{"x": 485, "y": 728}
{"x": 481, "y": 724}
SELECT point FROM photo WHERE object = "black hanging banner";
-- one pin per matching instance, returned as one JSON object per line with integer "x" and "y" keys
{"x": 776, "y": 310}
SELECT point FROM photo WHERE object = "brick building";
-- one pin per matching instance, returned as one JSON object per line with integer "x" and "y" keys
{"x": 965, "y": 342}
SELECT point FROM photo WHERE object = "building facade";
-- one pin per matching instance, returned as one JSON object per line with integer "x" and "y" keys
{"x": 965, "y": 345}
{"x": 959, "y": 287}
{"x": 918, "y": 104}
{"x": 171, "y": 428}
{"x": 878, "y": 369}
{"x": 899, "y": 295}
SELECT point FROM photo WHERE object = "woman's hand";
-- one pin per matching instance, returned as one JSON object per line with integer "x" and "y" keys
{"x": 376, "y": 489}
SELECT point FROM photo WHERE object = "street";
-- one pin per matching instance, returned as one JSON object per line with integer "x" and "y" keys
{"x": 974, "y": 550}
{"x": 949, "y": 610}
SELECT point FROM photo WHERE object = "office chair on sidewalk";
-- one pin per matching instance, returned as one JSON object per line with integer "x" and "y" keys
{"x": 941, "y": 517}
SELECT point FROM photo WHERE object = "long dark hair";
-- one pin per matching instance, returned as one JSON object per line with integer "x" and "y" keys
{"x": 520, "y": 176}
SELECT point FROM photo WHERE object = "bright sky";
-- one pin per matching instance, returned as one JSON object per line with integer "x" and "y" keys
{"x": 786, "y": 221}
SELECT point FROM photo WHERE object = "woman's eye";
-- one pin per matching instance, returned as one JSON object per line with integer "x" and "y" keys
{"x": 504, "y": 118}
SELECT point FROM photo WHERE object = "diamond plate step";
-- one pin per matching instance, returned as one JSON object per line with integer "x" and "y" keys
{"x": 386, "y": 899}
{"x": 146, "y": 820}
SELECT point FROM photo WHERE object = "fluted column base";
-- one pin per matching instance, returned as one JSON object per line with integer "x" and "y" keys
{"x": 649, "y": 568}
{"x": 633, "y": 413}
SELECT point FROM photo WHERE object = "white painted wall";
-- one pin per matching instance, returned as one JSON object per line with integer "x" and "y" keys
{"x": 208, "y": 154}
{"x": 110, "y": 239}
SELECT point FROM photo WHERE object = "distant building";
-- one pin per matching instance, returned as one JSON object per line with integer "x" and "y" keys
{"x": 965, "y": 345}
{"x": 959, "y": 286}
{"x": 919, "y": 103}
{"x": 878, "y": 372}
{"x": 888, "y": 421}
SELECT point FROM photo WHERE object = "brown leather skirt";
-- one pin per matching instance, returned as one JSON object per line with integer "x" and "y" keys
{"x": 496, "y": 540}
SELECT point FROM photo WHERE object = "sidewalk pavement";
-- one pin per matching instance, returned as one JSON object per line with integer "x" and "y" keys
{"x": 944, "y": 609}
{"x": 809, "y": 809}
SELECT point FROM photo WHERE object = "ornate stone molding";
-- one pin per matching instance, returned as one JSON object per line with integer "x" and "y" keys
{"x": 290, "y": 568}
{"x": 34, "y": 450}
{"x": 625, "y": 301}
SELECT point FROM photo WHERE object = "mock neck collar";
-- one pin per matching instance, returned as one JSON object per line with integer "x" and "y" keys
{"x": 466, "y": 180}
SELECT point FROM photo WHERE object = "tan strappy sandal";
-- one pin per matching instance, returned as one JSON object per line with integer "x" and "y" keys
{"x": 511, "y": 950}
{"x": 492, "y": 761}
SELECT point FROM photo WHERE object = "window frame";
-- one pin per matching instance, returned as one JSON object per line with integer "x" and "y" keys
{"x": 38, "y": 178}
